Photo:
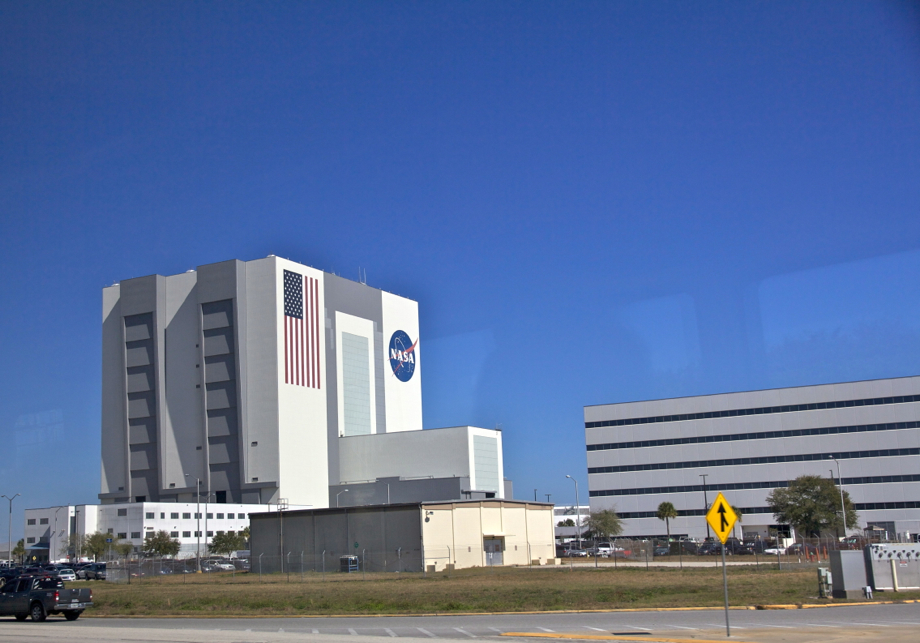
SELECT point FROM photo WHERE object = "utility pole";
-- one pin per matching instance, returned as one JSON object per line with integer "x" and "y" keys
{"x": 9, "y": 530}
{"x": 705, "y": 503}
{"x": 577, "y": 511}
{"x": 843, "y": 509}
{"x": 198, "y": 518}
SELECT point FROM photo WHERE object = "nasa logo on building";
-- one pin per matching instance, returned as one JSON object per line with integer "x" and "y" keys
{"x": 402, "y": 356}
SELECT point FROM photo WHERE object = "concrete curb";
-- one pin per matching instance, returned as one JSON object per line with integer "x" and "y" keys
{"x": 606, "y": 637}
{"x": 433, "y": 614}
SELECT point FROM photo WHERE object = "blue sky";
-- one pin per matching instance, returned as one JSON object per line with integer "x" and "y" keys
{"x": 592, "y": 202}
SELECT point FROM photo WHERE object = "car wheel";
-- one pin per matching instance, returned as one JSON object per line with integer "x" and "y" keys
{"x": 37, "y": 612}
{"x": 72, "y": 615}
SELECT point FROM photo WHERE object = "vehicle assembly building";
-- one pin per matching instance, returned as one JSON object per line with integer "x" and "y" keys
{"x": 685, "y": 450}
{"x": 268, "y": 381}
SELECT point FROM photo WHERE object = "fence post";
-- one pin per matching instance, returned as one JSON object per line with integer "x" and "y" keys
{"x": 260, "y": 566}
{"x": 324, "y": 565}
{"x": 364, "y": 563}
{"x": 301, "y": 565}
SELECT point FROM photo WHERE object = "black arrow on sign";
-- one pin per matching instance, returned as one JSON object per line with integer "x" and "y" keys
{"x": 722, "y": 520}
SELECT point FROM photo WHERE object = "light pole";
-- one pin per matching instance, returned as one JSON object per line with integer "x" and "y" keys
{"x": 198, "y": 518}
{"x": 337, "y": 496}
{"x": 843, "y": 509}
{"x": 206, "y": 498}
{"x": 51, "y": 549}
{"x": 577, "y": 512}
{"x": 9, "y": 530}
{"x": 705, "y": 504}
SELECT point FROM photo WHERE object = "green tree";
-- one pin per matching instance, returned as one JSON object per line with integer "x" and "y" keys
{"x": 95, "y": 544}
{"x": 568, "y": 522}
{"x": 123, "y": 548}
{"x": 20, "y": 550}
{"x": 160, "y": 544}
{"x": 605, "y": 524}
{"x": 245, "y": 535}
{"x": 666, "y": 511}
{"x": 226, "y": 542}
{"x": 811, "y": 504}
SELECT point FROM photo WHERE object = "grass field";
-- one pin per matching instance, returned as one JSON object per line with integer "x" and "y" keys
{"x": 473, "y": 590}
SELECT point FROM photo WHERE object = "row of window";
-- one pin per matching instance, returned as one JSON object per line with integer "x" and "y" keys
{"x": 760, "y": 435}
{"x": 745, "y": 511}
{"x": 734, "y": 486}
{"x": 150, "y": 515}
{"x": 764, "y": 410}
{"x": 771, "y": 459}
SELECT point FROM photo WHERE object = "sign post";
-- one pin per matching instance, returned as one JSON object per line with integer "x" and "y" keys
{"x": 721, "y": 517}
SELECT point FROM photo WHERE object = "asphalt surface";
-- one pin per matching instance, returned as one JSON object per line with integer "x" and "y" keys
{"x": 889, "y": 623}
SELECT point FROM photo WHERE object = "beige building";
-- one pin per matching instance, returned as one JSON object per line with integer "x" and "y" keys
{"x": 426, "y": 536}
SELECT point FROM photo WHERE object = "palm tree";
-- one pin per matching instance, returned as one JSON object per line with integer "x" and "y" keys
{"x": 666, "y": 511}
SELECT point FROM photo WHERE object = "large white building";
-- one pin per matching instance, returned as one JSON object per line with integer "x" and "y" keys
{"x": 267, "y": 381}
{"x": 685, "y": 450}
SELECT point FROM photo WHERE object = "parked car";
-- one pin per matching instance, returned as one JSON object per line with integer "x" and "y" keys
{"x": 96, "y": 571}
{"x": 66, "y": 574}
{"x": 40, "y": 596}
{"x": 574, "y": 552}
{"x": 661, "y": 550}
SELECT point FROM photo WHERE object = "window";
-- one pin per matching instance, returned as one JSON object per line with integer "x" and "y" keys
{"x": 122, "y": 512}
{"x": 150, "y": 515}
{"x": 210, "y": 534}
{"x": 174, "y": 534}
{"x": 135, "y": 534}
{"x": 43, "y": 521}
{"x": 229, "y": 516}
{"x": 210, "y": 516}
{"x": 174, "y": 515}
{"x": 110, "y": 530}
{"x": 30, "y": 540}
{"x": 197, "y": 534}
{"x": 232, "y": 533}
{"x": 162, "y": 515}
{"x": 186, "y": 516}
{"x": 197, "y": 516}
{"x": 186, "y": 534}
{"x": 30, "y": 521}
{"x": 220, "y": 516}
{"x": 122, "y": 535}
{"x": 220, "y": 533}
{"x": 140, "y": 498}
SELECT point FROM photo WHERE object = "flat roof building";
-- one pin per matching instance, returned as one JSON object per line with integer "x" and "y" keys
{"x": 685, "y": 450}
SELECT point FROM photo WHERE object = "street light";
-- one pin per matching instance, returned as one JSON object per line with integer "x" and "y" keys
{"x": 198, "y": 518}
{"x": 843, "y": 509}
{"x": 9, "y": 530}
{"x": 705, "y": 503}
{"x": 337, "y": 496}
{"x": 51, "y": 549}
{"x": 577, "y": 512}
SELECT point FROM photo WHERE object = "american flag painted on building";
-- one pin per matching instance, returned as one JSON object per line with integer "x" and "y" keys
{"x": 301, "y": 330}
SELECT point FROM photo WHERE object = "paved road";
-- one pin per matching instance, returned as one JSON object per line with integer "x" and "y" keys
{"x": 889, "y": 623}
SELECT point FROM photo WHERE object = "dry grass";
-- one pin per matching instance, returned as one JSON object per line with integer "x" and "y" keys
{"x": 474, "y": 590}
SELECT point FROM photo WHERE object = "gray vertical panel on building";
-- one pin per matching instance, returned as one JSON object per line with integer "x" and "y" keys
{"x": 141, "y": 394}
{"x": 485, "y": 458}
{"x": 357, "y": 384}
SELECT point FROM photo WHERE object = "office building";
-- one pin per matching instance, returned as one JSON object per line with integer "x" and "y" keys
{"x": 747, "y": 444}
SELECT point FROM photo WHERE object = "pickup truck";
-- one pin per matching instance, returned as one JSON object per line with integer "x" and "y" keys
{"x": 39, "y": 596}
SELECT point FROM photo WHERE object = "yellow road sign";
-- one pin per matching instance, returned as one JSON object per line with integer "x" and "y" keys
{"x": 721, "y": 517}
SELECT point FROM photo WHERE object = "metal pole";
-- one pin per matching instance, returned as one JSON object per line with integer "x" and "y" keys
{"x": 324, "y": 565}
{"x": 301, "y": 566}
{"x": 728, "y": 629}
{"x": 843, "y": 509}
{"x": 260, "y": 566}
{"x": 364, "y": 564}
{"x": 705, "y": 503}
{"x": 198, "y": 516}
{"x": 9, "y": 530}
{"x": 577, "y": 512}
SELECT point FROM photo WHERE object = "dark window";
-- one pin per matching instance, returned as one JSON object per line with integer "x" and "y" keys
{"x": 30, "y": 540}
{"x": 221, "y": 497}
{"x": 122, "y": 535}
{"x": 122, "y": 512}
{"x": 135, "y": 534}
{"x": 186, "y": 516}
{"x": 30, "y": 521}
{"x": 186, "y": 534}
{"x": 150, "y": 515}
{"x": 220, "y": 516}
{"x": 43, "y": 521}
{"x": 174, "y": 534}
{"x": 229, "y": 516}
{"x": 140, "y": 498}
{"x": 210, "y": 534}
{"x": 174, "y": 515}
{"x": 210, "y": 516}
{"x": 162, "y": 515}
